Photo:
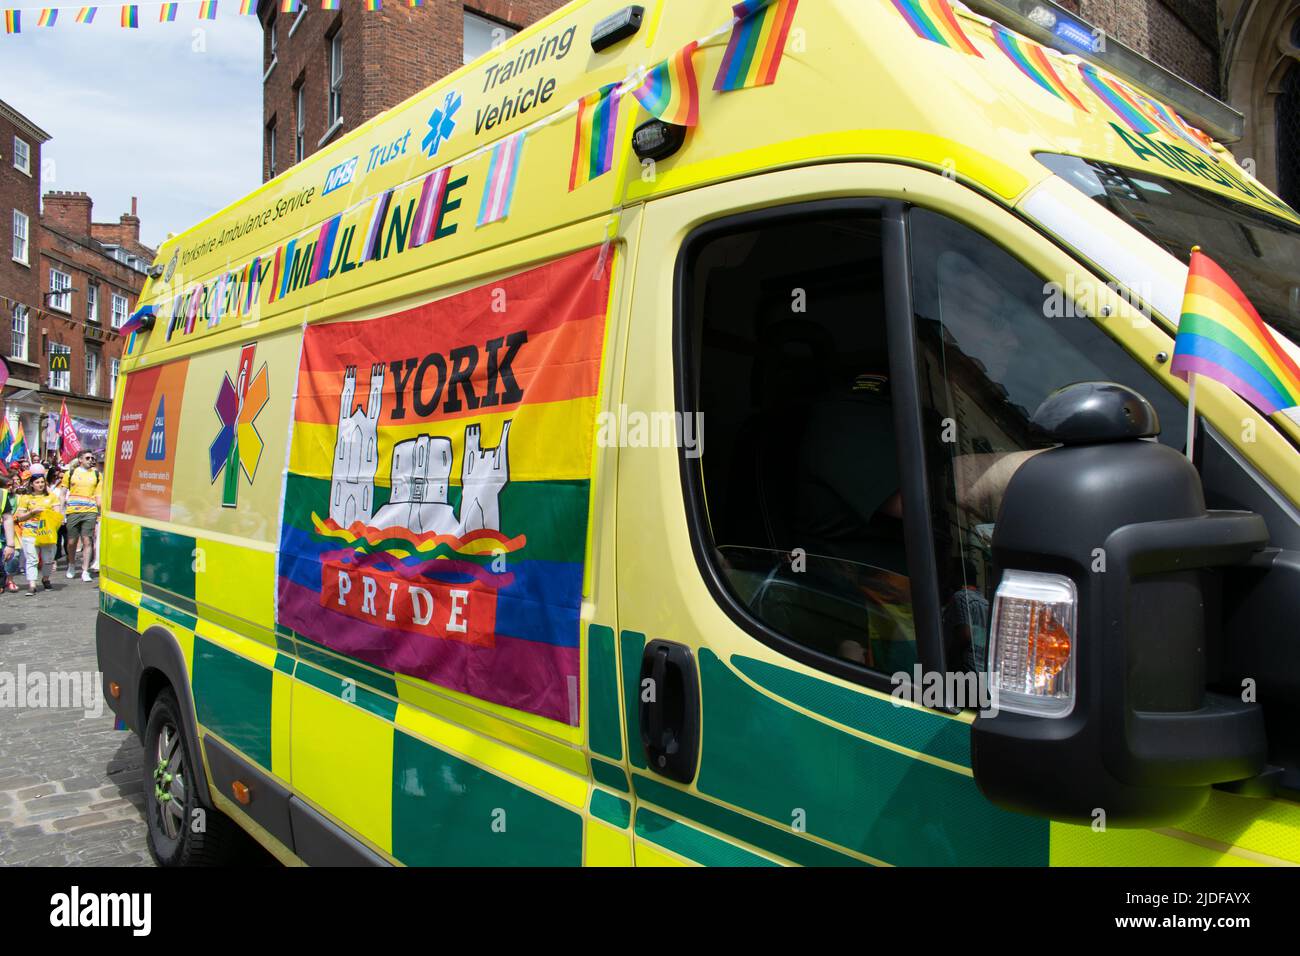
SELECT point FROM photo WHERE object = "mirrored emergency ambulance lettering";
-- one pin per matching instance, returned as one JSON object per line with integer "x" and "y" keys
{"x": 426, "y": 445}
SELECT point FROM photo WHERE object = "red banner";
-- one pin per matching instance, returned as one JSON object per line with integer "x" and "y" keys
{"x": 69, "y": 443}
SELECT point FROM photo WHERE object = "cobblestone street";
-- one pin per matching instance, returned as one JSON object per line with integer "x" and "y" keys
{"x": 70, "y": 785}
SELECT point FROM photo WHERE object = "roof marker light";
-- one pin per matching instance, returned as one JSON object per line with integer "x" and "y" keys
{"x": 616, "y": 27}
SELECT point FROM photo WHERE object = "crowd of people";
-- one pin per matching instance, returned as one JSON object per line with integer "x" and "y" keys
{"x": 51, "y": 513}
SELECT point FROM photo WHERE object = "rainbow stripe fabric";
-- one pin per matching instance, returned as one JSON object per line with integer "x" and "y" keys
{"x": 439, "y": 481}
{"x": 593, "y": 143}
{"x": 87, "y": 14}
{"x": 1221, "y": 336}
{"x": 1031, "y": 60}
{"x": 247, "y": 8}
{"x": 374, "y": 5}
{"x": 502, "y": 177}
{"x": 208, "y": 10}
{"x": 131, "y": 17}
{"x": 934, "y": 20}
{"x": 288, "y": 6}
{"x": 329, "y": 4}
{"x": 428, "y": 209}
{"x": 13, "y": 21}
{"x": 671, "y": 91}
{"x": 47, "y": 17}
{"x": 19, "y": 449}
{"x": 1172, "y": 125}
{"x": 757, "y": 44}
{"x": 6, "y": 438}
{"x": 1119, "y": 98}
{"x": 167, "y": 12}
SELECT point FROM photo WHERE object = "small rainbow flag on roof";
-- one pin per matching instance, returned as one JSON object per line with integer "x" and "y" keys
{"x": 757, "y": 44}
{"x": 166, "y": 13}
{"x": 1221, "y": 336}
{"x": 934, "y": 20}
{"x": 374, "y": 5}
{"x": 671, "y": 91}
{"x": 288, "y": 6}
{"x": 247, "y": 8}
{"x": 13, "y": 21}
{"x": 87, "y": 14}
{"x": 1031, "y": 59}
{"x": 415, "y": 3}
{"x": 208, "y": 10}
{"x": 131, "y": 17}
{"x": 1119, "y": 98}
{"x": 329, "y": 4}
{"x": 593, "y": 142}
{"x": 47, "y": 17}
{"x": 1173, "y": 126}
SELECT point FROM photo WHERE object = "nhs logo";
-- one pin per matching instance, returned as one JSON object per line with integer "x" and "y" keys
{"x": 340, "y": 175}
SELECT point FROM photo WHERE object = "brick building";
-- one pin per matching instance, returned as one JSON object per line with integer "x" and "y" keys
{"x": 20, "y": 283}
{"x": 328, "y": 71}
{"x": 66, "y": 284}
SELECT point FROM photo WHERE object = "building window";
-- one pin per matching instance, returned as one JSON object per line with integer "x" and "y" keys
{"x": 300, "y": 124}
{"x": 92, "y": 372}
{"x": 114, "y": 365}
{"x": 119, "y": 310}
{"x": 271, "y": 32}
{"x": 60, "y": 367}
{"x": 336, "y": 79}
{"x": 20, "y": 237}
{"x": 18, "y": 341}
{"x": 22, "y": 156}
{"x": 1288, "y": 137}
{"x": 270, "y": 148}
{"x": 61, "y": 286}
{"x": 92, "y": 302}
{"x": 483, "y": 35}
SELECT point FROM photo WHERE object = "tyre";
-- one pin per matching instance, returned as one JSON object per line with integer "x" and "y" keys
{"x": 171, "y": 797}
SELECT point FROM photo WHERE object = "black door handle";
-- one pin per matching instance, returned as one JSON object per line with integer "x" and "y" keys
{"x": 670, "y": 710}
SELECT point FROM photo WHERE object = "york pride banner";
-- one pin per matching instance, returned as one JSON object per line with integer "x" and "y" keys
{"x": 435, "y": 510}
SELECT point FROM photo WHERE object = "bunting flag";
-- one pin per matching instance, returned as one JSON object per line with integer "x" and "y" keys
{"x": 415, "y": 3}
{"x": 247, "y": 8}
{"x": 1221, "y": 336}
{"x": 1031, "y": 60}
{"x": 288, "y": 6}
{"x": 13, "y": 21}
{"x": 428, "y": 211}
{"x": 1118, "y": 97}
{"x": 468, "y": 526}
{"x": 934, "y": 20}
{"x": 329, "y": 4}
{"x": 757, "y": 44}
{"x": 87, "y": 14}
{"x": 131, "y": 17}
{"x": 208, "y": 10}
{"x": 166, "y": 13}
{"x": 329, "y": 232}
{"x": 136, "y": 321}
{"x": 593, "y": 143}
{"x": 375, "y": 234}
{"x": 374, "y": 5}
{"x": 47, "y": 17}
{"x": 503, "y": 175}
{"x": 671, "y": 91}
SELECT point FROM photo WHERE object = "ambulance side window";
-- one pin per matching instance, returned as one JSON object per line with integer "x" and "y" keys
{"x": 992, "y": 345}
{"x": 797, "y": 490}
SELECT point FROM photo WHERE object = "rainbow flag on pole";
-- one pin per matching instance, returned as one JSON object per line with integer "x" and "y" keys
{"x": 1031, "y": 59}
{"x": 456, "y": 554}
{"x": 1221, "y": 336}
{"x": 13, "y": 21}
{"x": 1118, "y": 97}
{"x": 757, "y": 44}
{"x": 19, "y": 449}
{"x": 502, "y": 177}
{"x": 6, "y": 438}
{"x": 47, "y": 17}
{"x": 131, "y": 17}
{"x": 671, "y": 91}
{"x": 166, "y": 13}
{"x": 934, "y": 20}
{"x": 208, "y": 10}
{"x": 593, "y": 143}
{"x": 87, "y": 14}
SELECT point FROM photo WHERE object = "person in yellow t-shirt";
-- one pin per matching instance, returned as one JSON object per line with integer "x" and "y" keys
{"x": 37, "y": 514}
{"x": 82, "y": 484}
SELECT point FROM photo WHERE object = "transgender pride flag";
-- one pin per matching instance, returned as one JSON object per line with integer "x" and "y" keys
{"x": 503, "y": 175}
{"x": 435, "y": 511}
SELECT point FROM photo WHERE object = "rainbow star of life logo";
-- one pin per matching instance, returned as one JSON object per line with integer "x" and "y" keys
{"x": 238, "y": 446}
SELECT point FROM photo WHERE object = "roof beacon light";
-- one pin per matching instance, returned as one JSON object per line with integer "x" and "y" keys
{"x": 657, "y": 140}
{"x": 616, "y": 27}
{"x": 1031, "y": 659}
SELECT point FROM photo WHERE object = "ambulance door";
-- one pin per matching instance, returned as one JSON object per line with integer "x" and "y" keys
{"x": 776, "y": 555}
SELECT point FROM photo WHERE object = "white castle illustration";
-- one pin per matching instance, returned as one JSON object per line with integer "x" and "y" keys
{"x": 420, "y": 473}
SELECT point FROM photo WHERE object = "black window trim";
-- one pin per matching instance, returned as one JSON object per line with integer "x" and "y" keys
{"x": 903, "y": 359}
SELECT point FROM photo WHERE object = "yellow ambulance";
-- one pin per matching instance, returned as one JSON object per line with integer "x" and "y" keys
{"x": 707, "y": 435}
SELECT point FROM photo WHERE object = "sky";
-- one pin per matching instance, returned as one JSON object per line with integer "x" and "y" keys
{"x": 170, "y": 112}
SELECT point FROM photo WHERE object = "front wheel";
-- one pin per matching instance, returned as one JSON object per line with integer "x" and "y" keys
{"x": 181, "y": 831}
